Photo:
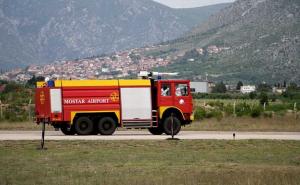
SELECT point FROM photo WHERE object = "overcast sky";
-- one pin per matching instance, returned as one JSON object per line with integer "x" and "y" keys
{"x": 191, "y": 3}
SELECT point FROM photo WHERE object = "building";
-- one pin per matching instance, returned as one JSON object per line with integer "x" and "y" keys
{"x": 248, "y": 89}
{"x": 201, "y": 87}
{"x": 2, "y": 88}
{"x": 278, "y": 90}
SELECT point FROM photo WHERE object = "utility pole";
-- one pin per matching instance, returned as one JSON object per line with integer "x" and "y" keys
{"x": 1, "y": 111}
{"x": 29, "y": 110}
{"x": 295, "y": 110}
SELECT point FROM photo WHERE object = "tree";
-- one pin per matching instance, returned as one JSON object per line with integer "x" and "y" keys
{"x": 239, "y": 85}
{"x": 252, "y": 95}
{"x": 3, "y": 82}
{"x": 292, "y": 87}
{"x": 31, "y": 82}
{"x": 135, "y": 57}
{"x": 191, "y": 54}
{"x": 292, "y": 92}
{"x": 219, "y": 88}
{"x": 12, "y": 87}
{"x": 263, "y": 98}
{"x": 263, "y": 87}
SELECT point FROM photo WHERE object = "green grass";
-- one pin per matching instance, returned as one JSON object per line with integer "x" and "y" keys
{"x": 5, "y": 125}
{"x": 150, "y": 162}
{"x": 286, "y": 123}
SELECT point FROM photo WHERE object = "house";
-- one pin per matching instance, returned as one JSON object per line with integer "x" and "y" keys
{"x": 201, "y": 87}
{"x": 213, "y": 49}
{"x": 247, "y": 89}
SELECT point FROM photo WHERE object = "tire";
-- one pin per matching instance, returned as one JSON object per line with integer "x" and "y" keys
{"x": 107, "y": 126}
{"x": 84, "y": 126}
{"x": 167, "y": 125}
{"x": 67, "y": 130}
{"x": 156, "y": 131}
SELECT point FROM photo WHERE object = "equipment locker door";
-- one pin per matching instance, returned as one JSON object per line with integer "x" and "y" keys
{"x": 136, "y": 103}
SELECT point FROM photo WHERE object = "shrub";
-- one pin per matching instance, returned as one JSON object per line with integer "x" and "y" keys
{"x": 268, "y": 114}
{"x": 217, "y": 114}
{"x": 252, "y": 95}
{"x": 242, "y": 109}
{"x": 220, "y": 96}
{"x": 214, "y": 114}
{"x": 256, "y": 112}
{"x": 228, "y": 109}
{"x": 279, "y": 107}
{"x": 15, "y": 112}
{"x": 216, "y": 104}
{"x": 273, "y": 97}
{"x": 200, "y": 113}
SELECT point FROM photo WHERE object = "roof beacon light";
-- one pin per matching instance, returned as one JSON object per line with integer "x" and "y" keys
{"x": 146, "y": 74}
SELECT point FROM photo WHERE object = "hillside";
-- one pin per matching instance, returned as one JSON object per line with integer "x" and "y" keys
{"x": 250, "y": 40}
{"x": 39, "y": 32}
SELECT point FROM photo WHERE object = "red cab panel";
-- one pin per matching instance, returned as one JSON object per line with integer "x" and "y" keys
{"x": 42, "y": 103}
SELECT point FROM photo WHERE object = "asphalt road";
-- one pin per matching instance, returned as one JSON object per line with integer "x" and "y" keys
{"x": 145, "y": 135}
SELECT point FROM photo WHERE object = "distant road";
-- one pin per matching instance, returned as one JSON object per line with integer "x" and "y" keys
{"x": 145, "y": 135}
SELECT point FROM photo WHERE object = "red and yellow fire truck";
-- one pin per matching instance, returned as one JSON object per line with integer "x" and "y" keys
{"x": 87, "y": 107}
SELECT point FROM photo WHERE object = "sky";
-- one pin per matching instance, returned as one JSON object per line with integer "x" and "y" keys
{"x": 190, "y": 3}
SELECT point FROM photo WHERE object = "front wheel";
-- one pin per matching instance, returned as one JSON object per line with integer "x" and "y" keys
{"x": 167, "y": 125}
{"x": 107, "y": 126}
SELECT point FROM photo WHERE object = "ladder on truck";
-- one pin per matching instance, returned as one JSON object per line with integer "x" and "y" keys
{"x": 142, "y": 123}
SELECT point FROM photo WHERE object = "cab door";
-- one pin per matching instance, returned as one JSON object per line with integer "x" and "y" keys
{"x": 165, "y": 94}
{"x": 182, "y": 97}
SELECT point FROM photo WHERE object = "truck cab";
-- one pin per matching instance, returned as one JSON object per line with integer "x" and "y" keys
{"x": 173, "y": 103}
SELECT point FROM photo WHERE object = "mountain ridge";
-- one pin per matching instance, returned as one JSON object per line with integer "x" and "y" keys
{"x": 39, "y": 32}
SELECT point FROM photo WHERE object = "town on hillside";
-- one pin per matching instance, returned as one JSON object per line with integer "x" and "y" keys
{"x": 118, "y": 65}
{"x": 129, "y": 63}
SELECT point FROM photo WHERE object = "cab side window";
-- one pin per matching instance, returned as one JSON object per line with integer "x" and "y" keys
{"x": 181, "y": 90}
{"x": 166, "y": 90}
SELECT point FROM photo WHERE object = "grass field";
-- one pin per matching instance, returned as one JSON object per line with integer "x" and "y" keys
{"x": 150, "y": 162}
{"x": 278, "y": 123}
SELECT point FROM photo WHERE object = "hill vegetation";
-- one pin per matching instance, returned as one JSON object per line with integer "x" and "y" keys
{"x": 250, "y": 40}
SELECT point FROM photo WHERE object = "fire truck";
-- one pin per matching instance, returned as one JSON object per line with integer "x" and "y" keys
{"x": 87, "y": 107}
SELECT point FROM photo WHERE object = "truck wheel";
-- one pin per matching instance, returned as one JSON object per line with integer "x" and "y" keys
{"x": 156, "y": 131}
{"x": 83, "y": 126}
{"x": 107, "y": 126}
{"x": 167, "y": 125}
{"x": 67, "y": 130}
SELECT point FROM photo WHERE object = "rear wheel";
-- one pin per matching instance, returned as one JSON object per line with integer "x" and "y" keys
{"x": 83, "y": 126}
{"x": 156, "y": 131}
{"x": 67, "y": 130}
{"x": 107, "y": 126}
{"x": 167, "y": 125}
